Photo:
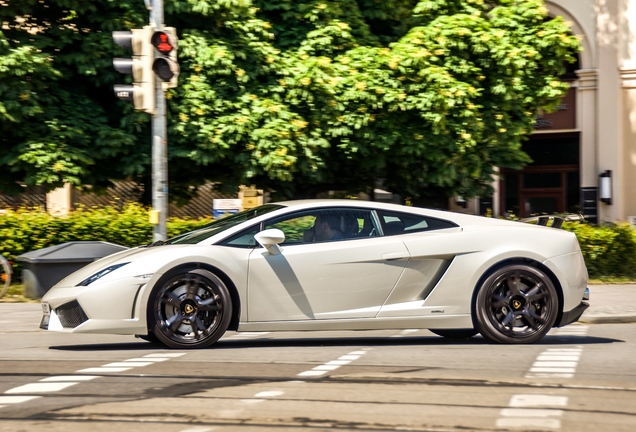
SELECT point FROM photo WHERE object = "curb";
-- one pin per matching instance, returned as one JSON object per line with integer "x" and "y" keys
{"x": 608, "y": 319}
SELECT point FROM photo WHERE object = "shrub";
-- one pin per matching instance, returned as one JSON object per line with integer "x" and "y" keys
{"x": 609, "y": 251}
{"x": 26, "y": 230}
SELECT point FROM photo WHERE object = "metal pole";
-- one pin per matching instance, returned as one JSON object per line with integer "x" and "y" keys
{"x": 159, "y": 142}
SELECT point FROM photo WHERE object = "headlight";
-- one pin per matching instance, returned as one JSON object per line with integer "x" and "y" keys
{"x": 92, "y": 278}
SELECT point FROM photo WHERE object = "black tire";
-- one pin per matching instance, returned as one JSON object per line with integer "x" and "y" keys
{"x": 190, "y": 310}
{"x": 516, "y": 304}
{"x": 455, "y": 333}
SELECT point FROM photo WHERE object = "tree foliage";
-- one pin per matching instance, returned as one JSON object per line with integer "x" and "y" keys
{"x": 296, "y": 97}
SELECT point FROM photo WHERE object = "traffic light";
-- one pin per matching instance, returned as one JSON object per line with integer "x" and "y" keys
{"x": 165, "y": 64}
{"x": 142, "y": 92}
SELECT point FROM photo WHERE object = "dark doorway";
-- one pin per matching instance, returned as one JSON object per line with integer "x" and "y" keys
{"x": 550, "y": 184}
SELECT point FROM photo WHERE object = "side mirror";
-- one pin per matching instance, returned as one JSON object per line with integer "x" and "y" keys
{"x": 269, "y": 239}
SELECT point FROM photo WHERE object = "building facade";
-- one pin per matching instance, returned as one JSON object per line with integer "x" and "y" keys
{"x": 585, "y": 153}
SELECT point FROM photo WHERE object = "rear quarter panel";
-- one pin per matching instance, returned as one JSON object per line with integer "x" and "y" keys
{"x": 476, "y": 249}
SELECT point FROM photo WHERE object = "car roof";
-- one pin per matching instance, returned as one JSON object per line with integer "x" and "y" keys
{"x": 461, "y": 219}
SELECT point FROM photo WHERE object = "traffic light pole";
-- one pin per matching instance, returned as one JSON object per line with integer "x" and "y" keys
{"x": 159, "y": 142}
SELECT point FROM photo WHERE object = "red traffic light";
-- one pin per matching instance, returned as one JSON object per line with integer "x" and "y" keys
{"x": 163, "y": 42}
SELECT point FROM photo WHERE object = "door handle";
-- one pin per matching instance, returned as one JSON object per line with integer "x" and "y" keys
{"x": 394, "y": 256}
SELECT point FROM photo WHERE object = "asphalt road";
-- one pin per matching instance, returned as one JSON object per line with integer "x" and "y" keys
{"x": 578, "y": 378}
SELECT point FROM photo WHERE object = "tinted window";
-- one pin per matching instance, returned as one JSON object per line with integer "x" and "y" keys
{"x": 321, "y": 225}
{"x": 221, "y": 225}
{"x": 395, "y": 223}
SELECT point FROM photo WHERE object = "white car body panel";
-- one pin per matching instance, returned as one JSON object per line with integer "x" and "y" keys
{"x": 323, "y": 280}
{"x": 414, "y": 280}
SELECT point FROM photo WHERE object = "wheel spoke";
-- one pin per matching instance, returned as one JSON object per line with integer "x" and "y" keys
{"x": 174, "y": 322}
{"x": 169, "y": 298}
{"x": 192, "y": 287}
{"x": 498, "y": 301}
{"x": 536, "y": 293}
{"x": 510, "y": 317}
{"x": 197, "y": 326}
{"x": 513, "y": 282}
{"x": 533, "y": 320}
{"x": 209, "y": 305}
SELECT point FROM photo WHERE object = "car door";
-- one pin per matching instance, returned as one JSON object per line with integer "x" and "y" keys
{"x": 348, "y": 277}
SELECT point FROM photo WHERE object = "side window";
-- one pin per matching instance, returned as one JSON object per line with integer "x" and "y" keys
{"x": 323, "y": 225}
{"x": 395, "y": 223}
{"x": 244, "y": 239}
{"x": 294, "y": 227}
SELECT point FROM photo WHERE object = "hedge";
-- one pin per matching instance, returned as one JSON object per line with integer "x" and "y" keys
{"x": 609, "y": 251}
{"x": 25, "y": 230}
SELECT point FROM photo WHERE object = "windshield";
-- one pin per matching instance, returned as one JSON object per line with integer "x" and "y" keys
{"x": 221, "y": 225}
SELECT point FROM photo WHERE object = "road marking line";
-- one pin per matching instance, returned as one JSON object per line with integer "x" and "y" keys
{"x": 556, "y": 364}
{"x": 349, "y": 357}
{"x": 333, "y": 364}
{"x": 61, "y": 382}
{"x": 327, "y": 367}
{"x": 69, "y": 378}
{"x": 552, "y": 375}
{"x": 102, "y": 370}
{"x": 338, "y": 362}
{"x": 312, "y": 373}
{"x": 532, "y": 423}
{"x": 537, "y": 400}
{"x": 560, "y": 362}
{"x": 531, "y": 412}
{"x": 553, "y": 369}
{"x": 572, "y": 330}
{"x": 523, "y": 412}
{"x": 16, "y": 399}
{"x": 147, "y": 359}
{"x": 169, "y": 355}
{"x": 272, "y": 393}
{"x": 128, "y": 363}
{"x": 41, "y": 387}
{"x": 559, "y": 357}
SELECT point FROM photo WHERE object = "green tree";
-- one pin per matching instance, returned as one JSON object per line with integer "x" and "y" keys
{"x": 59, "y": 121}
{"x": 294, "y": 96}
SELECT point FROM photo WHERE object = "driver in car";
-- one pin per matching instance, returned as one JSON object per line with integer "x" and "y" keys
{"x": 326, "y": 227}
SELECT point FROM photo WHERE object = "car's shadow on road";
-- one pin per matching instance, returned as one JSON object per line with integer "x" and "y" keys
{"x": 236, "y": 342}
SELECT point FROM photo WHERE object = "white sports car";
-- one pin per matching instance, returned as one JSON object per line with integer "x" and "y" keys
{"x": 332, "y": 265}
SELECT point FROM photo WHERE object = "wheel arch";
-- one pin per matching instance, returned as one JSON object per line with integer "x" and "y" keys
{"x": 519, "y": 260}
{"x": 236, "y": 301}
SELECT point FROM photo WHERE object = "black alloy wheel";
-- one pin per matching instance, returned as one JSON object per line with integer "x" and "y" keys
{"x": 516, "y": 304}
{"x": 190, "y": 310}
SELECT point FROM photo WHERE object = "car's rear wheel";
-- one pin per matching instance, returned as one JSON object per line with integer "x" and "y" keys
{"x": 455, "y": 333}
{"x": 516, "y": 304}
{"x": 190, "y": 310}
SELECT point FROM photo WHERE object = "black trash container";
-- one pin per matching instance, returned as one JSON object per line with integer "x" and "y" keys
{"x": 43, "y": 268}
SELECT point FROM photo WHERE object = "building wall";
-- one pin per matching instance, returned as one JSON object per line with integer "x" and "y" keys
{"x": 605, "y": 98}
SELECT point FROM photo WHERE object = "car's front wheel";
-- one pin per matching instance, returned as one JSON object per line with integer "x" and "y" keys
{"x": 516, "y": 304}
{"x": 190, "y": 310}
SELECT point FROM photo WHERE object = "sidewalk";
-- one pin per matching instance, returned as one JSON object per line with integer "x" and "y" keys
{"x": 611, "y": 304}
